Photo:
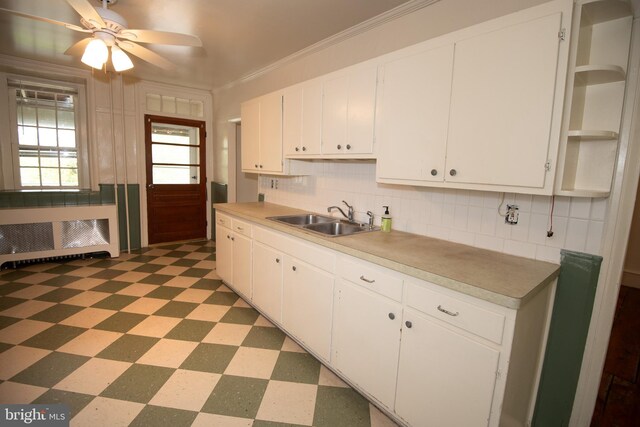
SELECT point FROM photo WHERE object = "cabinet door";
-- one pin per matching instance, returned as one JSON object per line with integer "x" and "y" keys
{"x": 242, "y": 264}
{"x": 250, "y": 155}
{"x": 307, "y": 301}
{"x": 271, "y": 133}
{"x": 367, "y": 324}
{"x": 335, "y": 101}
{"x": 224, "y": 254}
{"x": 444, "y": 378}
{"x": 361, "y": 111}
{"x": 302, "y": 119}
{"x": 502, "y": 105}
{"x": 267, "y": 280}
{"x": 413, "y": 116}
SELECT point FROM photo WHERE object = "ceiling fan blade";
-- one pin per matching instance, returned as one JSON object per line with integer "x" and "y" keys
{"x": 84, "y": 9}
{"x": 160, "y": 37}
{"x": 78, "y": 48}
{"x": 146, "y": 54}
{"x": 43, "y": 19}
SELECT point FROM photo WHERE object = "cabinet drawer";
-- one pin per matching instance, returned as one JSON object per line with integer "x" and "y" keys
{"x": 241, "y": 227}
{"x": 223, "y": 220}
{"x": 374, "y": 278}
{"x": 471, "y": 318}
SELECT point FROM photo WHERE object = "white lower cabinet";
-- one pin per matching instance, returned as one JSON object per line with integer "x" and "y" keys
{"x": 366, "y": 323}
{"x": 233, "y": 253}
{"x": 307, "y": 301}
{"x": 267, "y": 280}
{"x": 224, "y": 253}
{"x": 242, "y": 264}
{"x": 445, "y": 378}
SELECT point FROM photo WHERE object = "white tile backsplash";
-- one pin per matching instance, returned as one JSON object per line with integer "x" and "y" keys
{"x": 462, "y": 216}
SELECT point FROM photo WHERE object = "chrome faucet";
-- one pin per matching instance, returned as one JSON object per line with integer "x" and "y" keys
{"x": 349, "y": 216}
{"x": 370, "y": 219}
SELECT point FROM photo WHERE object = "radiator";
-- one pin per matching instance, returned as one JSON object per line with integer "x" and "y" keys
{"x": 35, "y": 233}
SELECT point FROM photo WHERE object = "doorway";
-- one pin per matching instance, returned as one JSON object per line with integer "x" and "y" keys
{"x": 176, "y": 179}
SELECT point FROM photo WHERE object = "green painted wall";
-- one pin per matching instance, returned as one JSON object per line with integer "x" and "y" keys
{"x": 570, "y": 320}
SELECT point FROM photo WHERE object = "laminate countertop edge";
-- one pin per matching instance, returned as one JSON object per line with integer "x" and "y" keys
{"x": 499, "y": 278}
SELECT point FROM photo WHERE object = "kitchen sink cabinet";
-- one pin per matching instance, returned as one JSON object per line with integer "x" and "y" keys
{"x": 348, "y": 111}
{"x": 302, "y": 120}
{"x": 445, "y": 378}
{"x": 307, "y": 301}
{"x": 262, "y": 135}
{"x": 267, "y": 280}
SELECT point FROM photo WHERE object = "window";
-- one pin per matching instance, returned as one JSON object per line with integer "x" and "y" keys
{"x": 48, "y": 142}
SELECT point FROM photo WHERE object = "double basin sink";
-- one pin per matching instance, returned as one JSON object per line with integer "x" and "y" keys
{"x": 324, "y": 225}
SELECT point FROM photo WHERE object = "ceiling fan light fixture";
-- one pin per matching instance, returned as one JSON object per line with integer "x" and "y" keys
{"x": 120, "y": 60}
{"x": 95, "y": 54}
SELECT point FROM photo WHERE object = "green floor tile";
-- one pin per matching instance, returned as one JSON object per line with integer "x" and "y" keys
{"x": 190, "y": 330}
{"x": 211, "y": 257}
{"x": 236, "y": 396}
{"x": 143, "y": 259}
{"x": 206, "y": 249}
{"x": 149, "y": 268}
{"x": 262, "y": 423}
{"x": 111, "y": 286}
{"x": 107, "y": 274}
{"x": 8, "y": 302}
{"x": 50, "y": 370}
{"x": 159, "y": 416}
{"x": 59, "y": 295}
{"x": 222, "y": 298}
{"x": 171, "y": 247}
{"x": 105, "y": 263}
{"x": 115, "y": 302}
{"x": 338, "y": 406}
{"x": 128, "y": 348}
{"x": 177, "y": 254}
{"x": 297, "y": 368}
{"x": 54, "y": 337}
{"x": 139, "y": 383}
{"x": 185, "y": 262}
{"x": 240, "y": 315}
{"x": 208, "y": 284}
{"x": 209, "y": 358}
{"x": 62, "y": 269}
{"x": 74, "y": 401}
{"x": 120, "y": 322}
{"x": 176, "y": 309}
{"x": 7, "y": 321}
{"x": 156, "y": 279}
{"x": 264, "y": 337}
{"x": 195, "y": 272}
{"x": 15, "y": 275}
{"x": 4, "y": 347}
{"x": 164, "y": 292}
{"x": 9, "y": 288}
{"x": 60, "y": 281}
{"x": 57, "y": 313}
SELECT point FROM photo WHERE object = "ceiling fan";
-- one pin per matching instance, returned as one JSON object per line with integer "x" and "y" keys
{"x": 109, "y": 31}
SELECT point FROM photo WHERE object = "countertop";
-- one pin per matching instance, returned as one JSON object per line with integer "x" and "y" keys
{"x": 499, "y": 278}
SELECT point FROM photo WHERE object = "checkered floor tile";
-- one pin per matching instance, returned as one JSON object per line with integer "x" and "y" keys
{"x": 155, "y": 338}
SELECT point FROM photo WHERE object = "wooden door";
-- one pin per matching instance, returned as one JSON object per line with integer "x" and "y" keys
{"x": 176, "y": 179}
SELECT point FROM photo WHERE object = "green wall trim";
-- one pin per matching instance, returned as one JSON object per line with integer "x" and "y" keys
{"x": 218, "y": 195}
{"x": 133, "y": 191}
{"x": 570, "y": 321}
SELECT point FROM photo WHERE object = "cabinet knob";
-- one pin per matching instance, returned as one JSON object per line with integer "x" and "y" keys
{"x": 392, "y": 316}
{"x": 233, "y": 239}
{"x": 228, "y": 237}
{"x": 409, "y": 324}
{"x": 348, "y": 147}
{"x": 297, "y": 149}
{"x": 304, "y": 148}
{"x": 256, "y": 165}
{"x": 453, "y": 172}
{"x": 260, "y": 166}
{"x": 434, "y": 172}
{"x": 294, "y": 268}
{"x": 277, "y": 260}
{"x": 339, "y": 147}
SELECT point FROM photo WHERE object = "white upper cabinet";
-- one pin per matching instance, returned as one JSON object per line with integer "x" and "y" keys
{"x": 412, "y": 116}
{"x": 262, "y": 134}
{"x": 502, "y": 105}
{"x": 348, "y": 111}
{"x": 302, "y": 119}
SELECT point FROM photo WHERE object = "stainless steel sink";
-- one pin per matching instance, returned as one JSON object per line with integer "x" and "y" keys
{"x": 337, "y": 228}
{"x": 303, "y": 219}
{"x": 324, "y": 225}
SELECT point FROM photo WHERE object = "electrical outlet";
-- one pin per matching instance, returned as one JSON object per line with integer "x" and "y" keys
{"x": 276, "y": 184}
{"x": 512, "y": 215}
{"x": 272, "y": 183}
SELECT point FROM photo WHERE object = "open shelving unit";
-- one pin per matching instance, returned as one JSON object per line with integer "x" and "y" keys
{"x": 601, "y": 38}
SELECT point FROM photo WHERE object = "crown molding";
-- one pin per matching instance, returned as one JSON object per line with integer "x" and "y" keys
{"x": 390, "y": 15}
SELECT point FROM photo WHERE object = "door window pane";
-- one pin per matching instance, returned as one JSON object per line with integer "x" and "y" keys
{"x": 172, "y": 154}
{"x": 174, "y": 175}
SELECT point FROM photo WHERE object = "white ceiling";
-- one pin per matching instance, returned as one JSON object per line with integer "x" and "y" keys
{"x": 239, "y": 36}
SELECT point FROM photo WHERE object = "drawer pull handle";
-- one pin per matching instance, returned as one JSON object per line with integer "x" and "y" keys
{"x": 239, "y": 228}
{"x": 445, "y": 311}
{"x": 364, "y": 279}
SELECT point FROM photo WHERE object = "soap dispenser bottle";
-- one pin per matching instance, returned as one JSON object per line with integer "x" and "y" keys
{"x": 385, "y": 224}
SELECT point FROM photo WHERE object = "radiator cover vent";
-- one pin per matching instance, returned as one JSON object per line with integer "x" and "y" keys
{"x": 85, "y": 232}
{"x": 19, "y": 238}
